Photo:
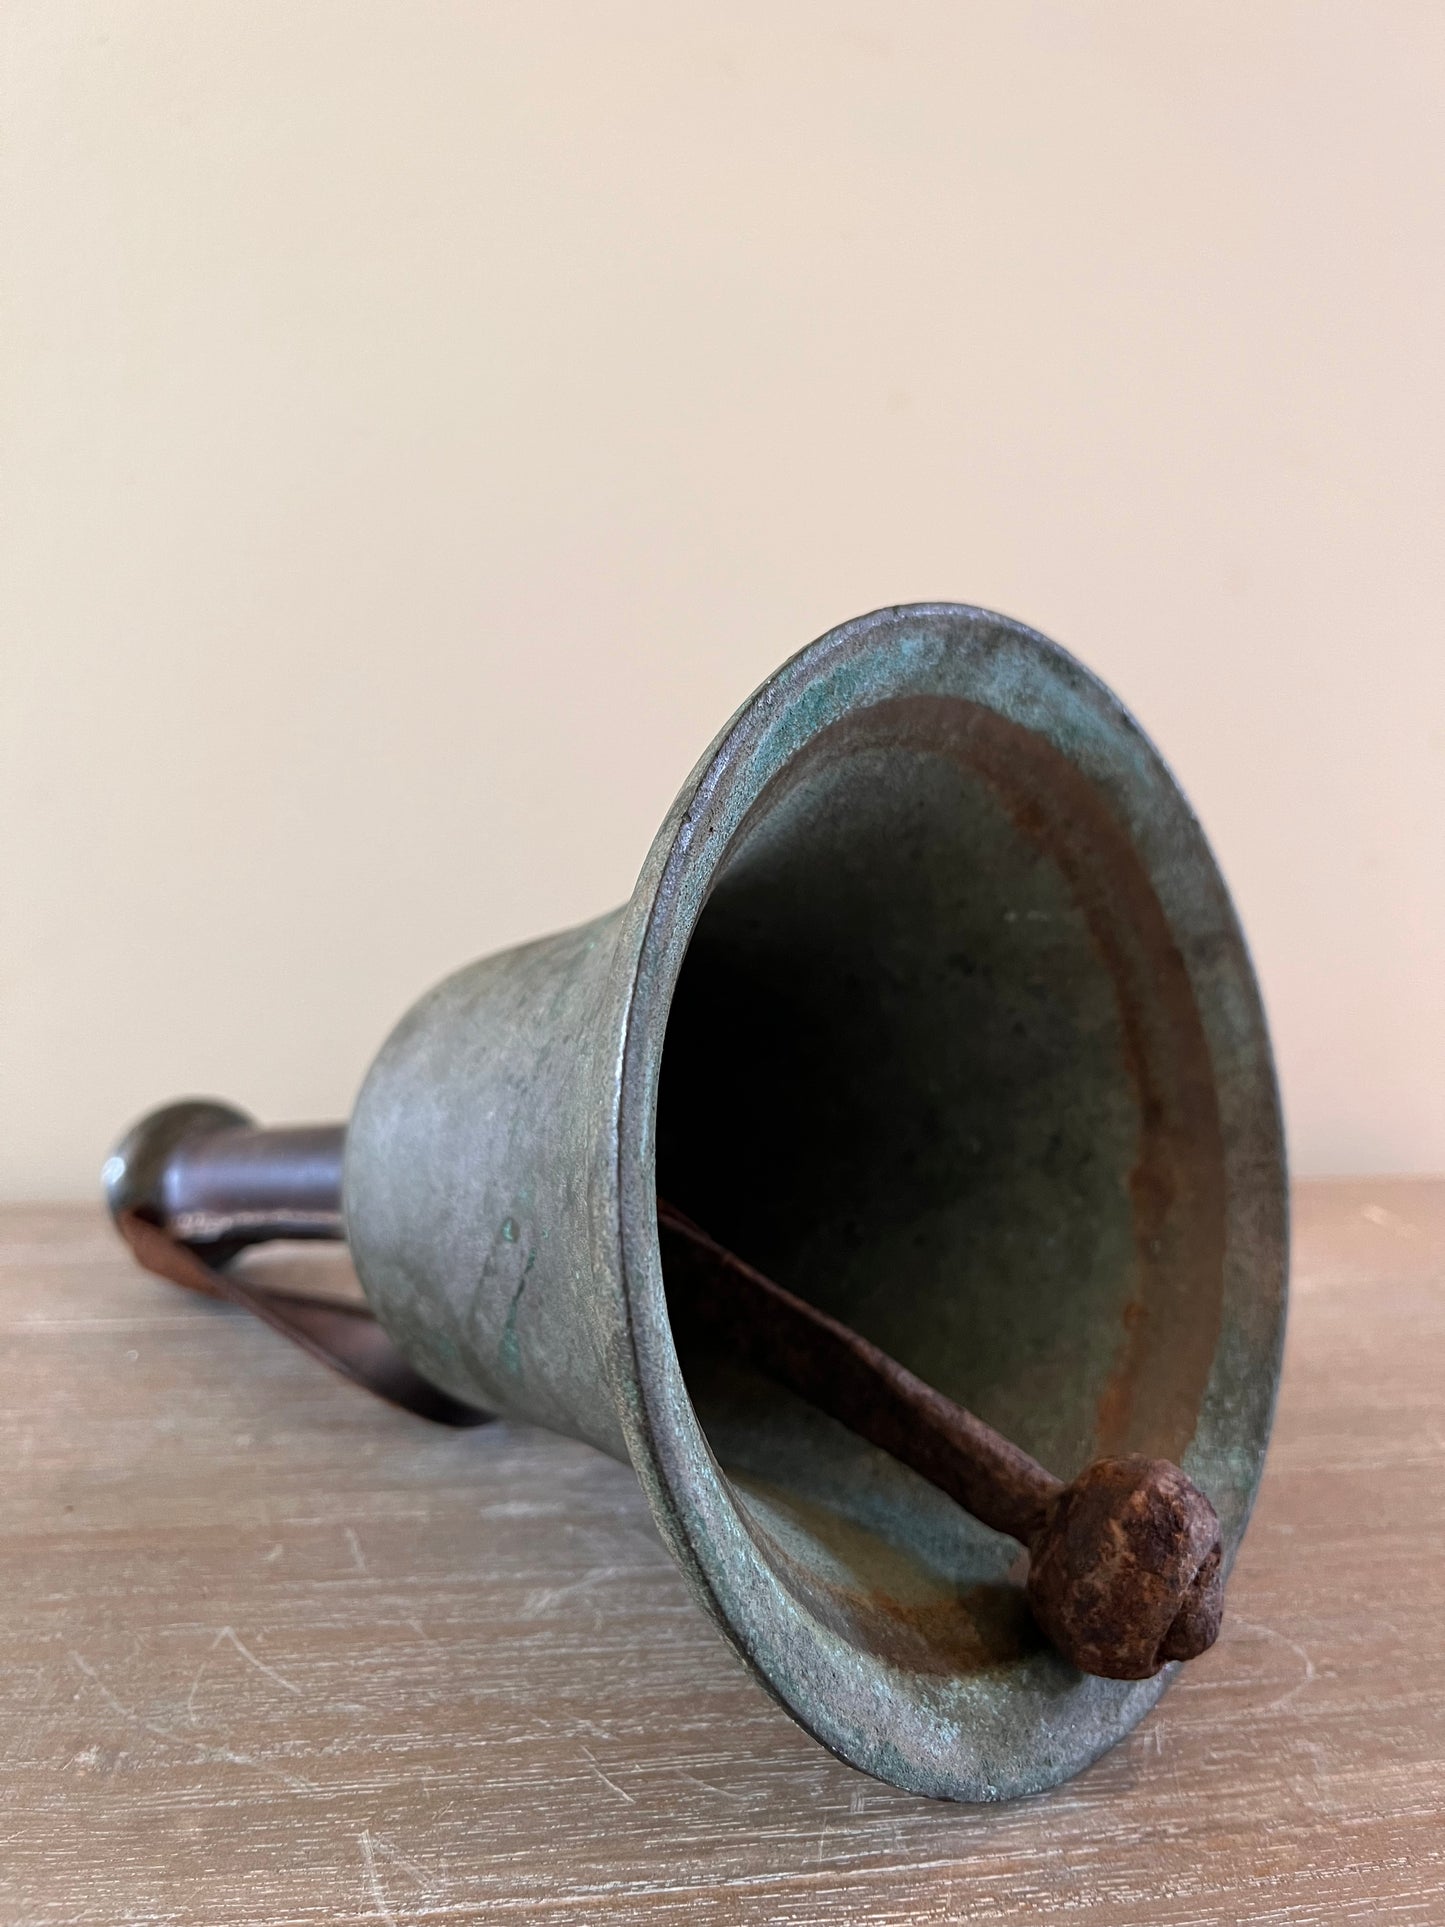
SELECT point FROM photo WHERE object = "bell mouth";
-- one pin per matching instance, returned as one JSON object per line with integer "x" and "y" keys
{"x": 950, "y": 1029}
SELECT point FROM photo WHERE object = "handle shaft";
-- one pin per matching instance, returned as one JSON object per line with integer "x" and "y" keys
{"x": 211, "y": 1178}
{"x": 246, "y": 1184}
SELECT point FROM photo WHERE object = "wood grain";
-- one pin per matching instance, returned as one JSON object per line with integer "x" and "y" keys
{"x": 272, "y": 1652}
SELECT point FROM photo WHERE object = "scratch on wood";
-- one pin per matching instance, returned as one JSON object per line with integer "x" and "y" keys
{"x": 1305, "y": 1678}
{"x": 546, "y": 1597}
{"x": 229, "y": 1633}
{"x": 1377, "y": 1214}
{"x": 612, "y": 1784}
{"x": 706, "y": 1786}
{"x": 375, "y": 1893}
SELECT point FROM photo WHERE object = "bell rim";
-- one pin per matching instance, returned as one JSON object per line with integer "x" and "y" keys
{"x": 861, "y": 1706}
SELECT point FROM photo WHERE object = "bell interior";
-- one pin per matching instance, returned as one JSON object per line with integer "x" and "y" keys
{"x": 934, "y": 1062}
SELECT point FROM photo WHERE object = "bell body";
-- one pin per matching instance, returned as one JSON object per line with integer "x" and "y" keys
{"x": 930, "y": 1001}
{"x": 481, "y": 1184}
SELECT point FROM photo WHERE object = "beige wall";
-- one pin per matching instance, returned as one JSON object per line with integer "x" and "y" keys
{"x": 424, "y": 423}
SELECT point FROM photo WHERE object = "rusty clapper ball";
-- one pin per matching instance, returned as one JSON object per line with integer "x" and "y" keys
{"x": 1126, "y": 1570}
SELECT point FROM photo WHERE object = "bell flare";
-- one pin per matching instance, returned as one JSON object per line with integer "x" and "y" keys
{"x": 930, "y": 1001}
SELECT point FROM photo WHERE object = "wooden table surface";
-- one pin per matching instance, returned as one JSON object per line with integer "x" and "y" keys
{"x": 271, "y": 1652}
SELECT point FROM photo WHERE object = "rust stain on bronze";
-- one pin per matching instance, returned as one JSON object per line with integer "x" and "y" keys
{"x": 1171, "y": 1318}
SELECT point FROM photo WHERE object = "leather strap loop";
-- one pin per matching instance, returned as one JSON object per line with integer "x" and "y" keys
{"x": 344, "y": 1336}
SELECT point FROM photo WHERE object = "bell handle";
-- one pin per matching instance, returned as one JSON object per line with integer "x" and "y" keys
{"x": 194, "y": 1183}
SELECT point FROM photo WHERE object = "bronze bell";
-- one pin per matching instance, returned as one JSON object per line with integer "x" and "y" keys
{"x": 931, "y": 1003}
